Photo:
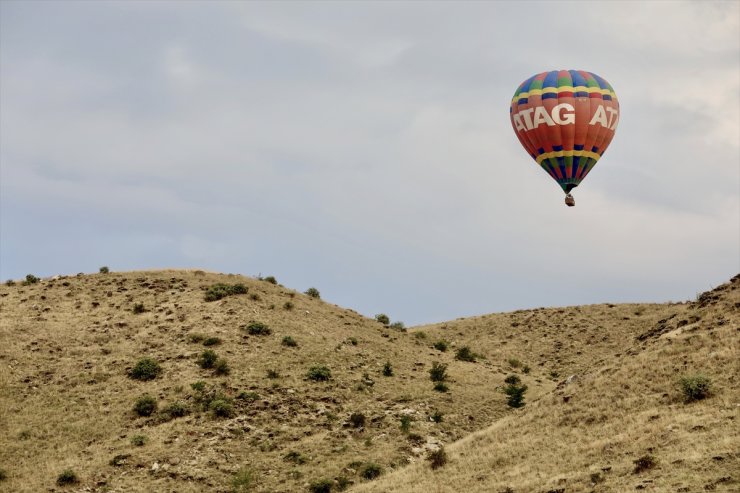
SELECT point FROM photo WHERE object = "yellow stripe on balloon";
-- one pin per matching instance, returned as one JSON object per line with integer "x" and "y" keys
{"x": 555, "y": 90}
{"x": 548, "y": 155}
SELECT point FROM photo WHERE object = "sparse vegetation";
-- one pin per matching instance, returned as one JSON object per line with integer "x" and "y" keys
{"x": 644, "y": 463}
{"x": 437, "y": 417}
{"x": 221, "y": 367}
{"x": 695, "y": 387}
{"x": 437, "y": 458}
{"x": 243, "y": 480}
{"x": 441, "y": 387}
{"x": 222, "y": 407}
{"x": 175, "y": 410}
{"x": 515, "y": 390}
{"x": 371, "y": 471}
{"x": 398, "y": 326}
{"x": 67, "y": 477}
{"x": 196, "y": 337}
{"x": 138, "y": 440}
{"x": 270, "y": 279}
{"x": 145, "y": 369}
{"x": 465, "y": 354}
{"x": 138, "y": 308}
{"x": 3, "y": 475}
{"x": 288, "y": 305}
{"x": 10, "y": 282}
{"x": 212, "y": 341}
{"x": 313, "y": 293}
{"x": 207, "y": 359}
{"x": 440, "y": 345}
{"x": 383, "y": 318}
{"x": 438, "y": 372}
{"x": 258, "y": 329}
{"x": 220, "y": 290}
{"x": 321, "y": 486}
{"x": 30, "y": 279}
{"x": 295, "y": 457}
{"x": 357, "y": 420}
{"x": 514, "y": 363}
{"x": 405, "y": 423}
{"x": 272, "y": 373}
{"x": 104, "y": 269}
{"x": 387, "y": 369}
{"x": 319, "y": 373}
{"x": 289, "y": 342}
{"x": 146, "y": 405}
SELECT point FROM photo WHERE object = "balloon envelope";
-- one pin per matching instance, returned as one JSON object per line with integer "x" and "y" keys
{"x": 565, "y": 119}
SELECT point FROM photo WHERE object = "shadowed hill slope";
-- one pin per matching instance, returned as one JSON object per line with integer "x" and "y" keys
{"x": 67, "y": 400}
{"x": 622, "y": 422}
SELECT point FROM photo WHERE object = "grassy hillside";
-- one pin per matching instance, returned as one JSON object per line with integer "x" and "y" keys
{"x": 262, "y": 418}
{"x": 623, "y": 422}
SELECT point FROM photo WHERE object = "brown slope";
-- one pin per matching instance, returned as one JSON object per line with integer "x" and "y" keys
{"x": 66, "y": 401}
{"x": 586, "y": 436}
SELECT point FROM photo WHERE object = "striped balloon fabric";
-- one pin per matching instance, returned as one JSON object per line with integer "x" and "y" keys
{"x": 565, "y": 119}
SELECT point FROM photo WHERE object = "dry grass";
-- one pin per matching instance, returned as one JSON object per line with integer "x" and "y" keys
{"x": 66, "y": 401}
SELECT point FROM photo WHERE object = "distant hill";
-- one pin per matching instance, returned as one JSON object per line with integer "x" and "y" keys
{"x": 105, "y": 387}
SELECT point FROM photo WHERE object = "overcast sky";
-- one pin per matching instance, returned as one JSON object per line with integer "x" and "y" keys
{"x": 365, "y": 148}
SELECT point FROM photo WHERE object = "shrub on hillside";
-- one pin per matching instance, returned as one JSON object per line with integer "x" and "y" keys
{"x": 465, "y": 354}
{"x": 221, "y": 367}
{"x": 207, "y": 359}
{"x": 175, "y": 410}
{"x": 3, "y": 475}
{"x": 438, "y": 372}
{"x": 319, "y": 373}
{"x": 10, "y": 282}
{"x": 383, "y": 318}
{"x": 289, "y": 341}
{"x": 270, "y": 279}
{"x": 695, "y": 387}
{"x": 295, "y": 457}
{"x": 104, "y": 269}
{"x": 437, "y": 417}
{"x": 67, "y": 477}
{"x": 145, "y": 405}
{"x": 387, "y": 369}
{"x": 398, "y": 326}
{"x": 644, "y": 463}
{"x": 371, "y": 471}
{"x": 313, "y": 293}
{"x": 138, "y": 440}
{"x": 243, "y": 480}
{"x": 357, "y": 420}
{"x": 212, "y": 341}
{"x": 441, "y": 387}
{"x": 258, "y": 329}
{"x": 30, "y": 279}
{"x": 288, "y": 305}
{"x": 440, "y": 346}
{"x": 221, "y": 290}
{"x": 405, "y": 423}
{"x": 196, "y": 337}
{"x": 437, "y": 458}
{"x": 222, "y": 408}
{"x": 138, "y": 308}
{"x": 145, "y": 369}
{"x": 321, "y": 486}
{"x": 515, "y": 390}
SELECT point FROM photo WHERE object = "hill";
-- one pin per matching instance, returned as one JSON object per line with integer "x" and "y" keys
{"x": 302, "y": 395}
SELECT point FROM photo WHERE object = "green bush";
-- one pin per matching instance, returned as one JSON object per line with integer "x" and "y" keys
{"x": 695, "y": 387}
{"x": 145, "y": 369}
{"x": 258, "y": 329}
{"x": 437, "y": 417}
{"x": 289, "y": 342}
{"x": 175, "y": 410}
{"x": 248, "y": 396}
{"x": 10, "y": 282}
{"x": 465, "y": 354}
{"x": 243, "y": 480}
{"x": 138, "y": 440}
{"x": 221, "y": 290}
{"x": 514, "y": 363}
{"x": 441, "y": 387}
{"x": 437, "y": 458}
{"x": 30, "y": 279}
{"x": 288, "y": 305}
{"x": 644, "y": 463}
{"x": 438, "y": 372}
{"x": 383, "y": 318}
{"x": 387, "y": 369}
{"x": 357, "y": 420}
{"x": 67, "y": 476}
{"x": 405, "y": 423}
{"x": 515, "y": 390}
{"x": 104, "y": 269}
{"x": 145, "y": 405}
{"x": 319, "y": 373}
{"x": 371, "y": 471}
{"x": 138, "y": 308}
{"x": 440, "y": 346}
{"x": 207, "y": 359}
{"x": 313, "y": 293}
{"x": 196, "y": 338}
{"x": 198, "y": 386}
{"x": 270, "y": 279}
{"x": 222, "y": 408}
{"x": 398, "y": 326}
{"x": 221, "y": 367}
{"x": 212, "y": 341}
{"x": 321, "y": 486}
{"x": 295, "y": 457}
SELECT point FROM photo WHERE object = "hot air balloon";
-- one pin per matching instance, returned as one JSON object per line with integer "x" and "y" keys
{"x": 565, "y": 119}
